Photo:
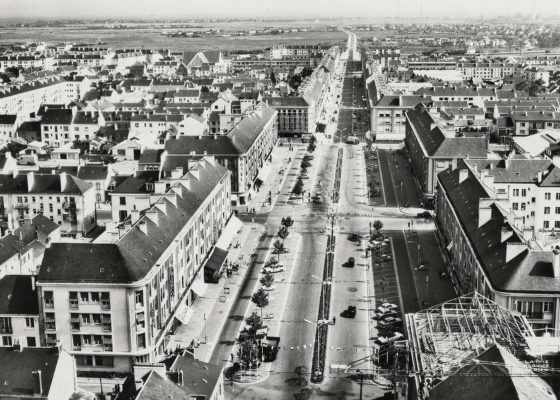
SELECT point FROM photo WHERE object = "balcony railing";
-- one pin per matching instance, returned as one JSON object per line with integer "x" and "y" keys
{"x": 50, "y": 325}
{"x": 22, "y": 206}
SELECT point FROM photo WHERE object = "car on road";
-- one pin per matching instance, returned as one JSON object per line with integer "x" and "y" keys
{"x": 352, "y": 140}
{"x": 424, "y": 214}
{"x": 422, "y": 267}
{"x": 353, "y": 237}
{"x": 351, "y": 262}
{"x": 350, "y": 312}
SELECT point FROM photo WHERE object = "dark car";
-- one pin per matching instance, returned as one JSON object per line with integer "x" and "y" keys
{"x": 424, "y": 214}
{"x": 350, "y": 312}
{"x": 353, "y": 237}
{"x": 351, "y": 262}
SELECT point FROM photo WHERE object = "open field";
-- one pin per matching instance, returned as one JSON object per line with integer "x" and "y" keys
{"x": 154, "y": 38}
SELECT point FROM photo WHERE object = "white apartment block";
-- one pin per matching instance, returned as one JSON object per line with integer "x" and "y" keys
{"x": 64, "y": 199}
{"x": 112, "y": 302}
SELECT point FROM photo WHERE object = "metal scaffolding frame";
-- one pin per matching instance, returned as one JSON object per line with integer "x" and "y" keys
{"x": 449, "y": 335}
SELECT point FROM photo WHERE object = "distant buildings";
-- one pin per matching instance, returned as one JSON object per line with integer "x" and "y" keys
{"x": 296, "y": 115}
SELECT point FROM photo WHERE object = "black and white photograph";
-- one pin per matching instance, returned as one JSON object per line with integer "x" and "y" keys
{"x": 280, "y": 200}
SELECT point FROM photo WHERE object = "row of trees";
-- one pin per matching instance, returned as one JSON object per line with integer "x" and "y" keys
{"x": 297, "y": 190}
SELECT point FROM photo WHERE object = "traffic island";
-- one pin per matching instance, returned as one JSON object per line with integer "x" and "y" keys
{"x": 323, "y": 317}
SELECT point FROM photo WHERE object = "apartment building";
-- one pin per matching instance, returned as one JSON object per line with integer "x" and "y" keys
{"x": 62, "y": 126}
{"x": 64, "y": 199}
{"x": 387, "y": 118}
{"x": 296, "y": 115}
{"x": 473, "y": 96}
{"x": 148, "y": 129}
{"x": 243, "y": 150}
{"x": 111, "y": 303}
{"x": 529, "y": 122}
{"x": 491, "y": 255}
{"x": 26, "y": 98}
{"x": 485, "y": 70}
{"x": 432, "y": 149}
{"x": 19, "y": 312}
{"x": 280, "y": 51}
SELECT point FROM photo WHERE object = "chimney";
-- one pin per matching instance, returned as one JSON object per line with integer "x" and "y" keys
{"x": 143, "y": 227}
{"x": 33, "y": 282}
{"x": 507, "y": 163}
{"x": 463, "y": 175}
{"x": 453, "y": 164}
{"x": 539, "y": 177}
{"x": 63, "y": 179}
{"x": 513, "y": 250}
{"x": 507, "y": 232}
{"x": 556, "y": 262}
{"x": 152, "y": 215}
{"x": 30, "y": 181}
{"x": 134, "y": 216}
{"x": 433, "y": 126}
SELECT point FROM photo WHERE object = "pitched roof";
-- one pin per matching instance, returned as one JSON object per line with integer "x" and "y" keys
{"x": 282, "y": 102}
{"x": 17, "y": 366}
{"x": 436, "y": 144}
{"x": 135, "y": 253}
{"x": 57, "y": 116}
{"x": 199, "y": 378}
{"x": 8, "y": 119}
{"x": 156, "y": 387}
{"x": 137, "y": 183}
{"x": 529, "y": 272}
{"x": 237, "y": 141}
{"x": 42, "y": 184}
{"x": 511, "y": 171}
{"x": 93, "y": 172}
{"x": 17, "y": 295}
{"x": 494, "y": 386}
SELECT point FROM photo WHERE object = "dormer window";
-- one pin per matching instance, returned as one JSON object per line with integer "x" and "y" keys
{"x": 150, "y": 187}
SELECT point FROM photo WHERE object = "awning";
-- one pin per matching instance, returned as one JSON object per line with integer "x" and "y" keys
{"x": 215, "y": 262}
{"x": 449, "y": 246}
{"x": 264, "y": 172}
{"x": 183, "y": 313}
{"x": 233, "y": 226}
{"x": 199, "y": 287}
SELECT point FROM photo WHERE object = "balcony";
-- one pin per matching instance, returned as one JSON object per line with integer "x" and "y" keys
{"x": 49, "y": 304}
{"x": 73, "y": 304}
{"x": 22, "y": 206}
{"x": 50, "y": 325}
{"x": 69, "y": 218}
{"x": 6, "y": 330}
{"x": 68, "y": 205}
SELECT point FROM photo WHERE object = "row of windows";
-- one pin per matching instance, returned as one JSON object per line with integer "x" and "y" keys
{"x": 7, "y": 341}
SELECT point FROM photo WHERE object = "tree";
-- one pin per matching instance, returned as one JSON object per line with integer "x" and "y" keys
{"x": 311, "y": 147}
{"x": 378, "y": 225}
{"x": 249, "y": 353}
{"x": 267, "y": 280}
{"x": 298, "y": 187}
{"x": 287, "y": 222}
{"x": 283, "y": 233}
{"x": 279, "y": 248}
{"x": 272, "y": 263}
{"x": 260, "y": 299}
{"x": 254, "y": 322}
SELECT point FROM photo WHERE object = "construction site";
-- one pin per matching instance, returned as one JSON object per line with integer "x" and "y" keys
{"x": 466, "y": 348}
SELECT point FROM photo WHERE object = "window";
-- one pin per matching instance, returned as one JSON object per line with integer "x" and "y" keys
{"x": 515, "y": 206}
{"x": 76, "y": 341}
{"x": 140, "y": 320}
{"x": 122, "y": 201}
{"x": 7, "y": 341}
{"x": 86, "y": 319}
{"x": 73, "y": 299}
{"x": 558, "y": 196}
{"x": 547, "y": 306}
{"x": 141, "y": 340}
{"x": 86, "y": 339}
{"x": 556, "y": 224}
{"x": 96, "y": 319}
{"x": 557, "y": 210}
{"x": 48, "y": 299}
{"x": 30, "y": 322}
{"x": 523, "y": 192}
{"x": 94, "y": 297}
{"x": 97, "y": 339}
{"x": 516, "y": 192}
{"x": 84, "y": 297}
{"x": 31, "y": 342}
{"x": 546, "y": 224}
{"x": 547, "y": 196}
{"x": 139, "y": 298}
{"x": 547, "y": 210}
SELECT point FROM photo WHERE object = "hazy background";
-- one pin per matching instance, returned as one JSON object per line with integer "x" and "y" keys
{"x": 177, "y": 9}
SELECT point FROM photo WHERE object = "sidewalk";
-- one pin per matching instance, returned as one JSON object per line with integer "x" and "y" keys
{"x": 209, "y": 312}
{"x": 273, "y": 314}
{"x": 282, "y": 159}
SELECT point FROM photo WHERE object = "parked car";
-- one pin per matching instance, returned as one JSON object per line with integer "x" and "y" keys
{"x": 389, "y": 339}
{"x": 389, "y": 322}
{"x": 350, "y": 312}
{"x": 424, "y": 214}
{"x": 353, "y": 237}
{"x": 351, "y": 262}
{"x": 388, "y": 314}
{"x": 390, "y": 306}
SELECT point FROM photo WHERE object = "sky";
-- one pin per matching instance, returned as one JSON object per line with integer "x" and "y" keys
{"x": 178, "y": 9}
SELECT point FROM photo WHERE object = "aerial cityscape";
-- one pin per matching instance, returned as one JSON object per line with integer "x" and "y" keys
{"x": 280, "y": 200}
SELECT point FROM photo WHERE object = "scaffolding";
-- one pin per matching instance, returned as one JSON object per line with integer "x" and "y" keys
{"x": 448, "y": 336}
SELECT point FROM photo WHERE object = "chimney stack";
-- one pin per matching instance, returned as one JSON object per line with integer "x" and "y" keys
{"x": 556, "y": 262}
{"x": 63, "y": 180}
